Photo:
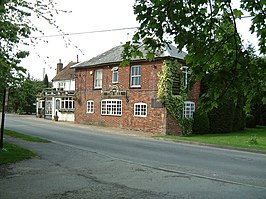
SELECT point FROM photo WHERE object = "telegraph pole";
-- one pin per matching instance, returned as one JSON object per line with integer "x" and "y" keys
{"x": 4, "y": 105}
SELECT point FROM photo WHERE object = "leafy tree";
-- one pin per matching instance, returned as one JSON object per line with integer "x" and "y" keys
{"x": 16, "y": 27}
{"x": 46, "y": 81}
{"x": 23, "y": 96}
{"x": 208, "y": 30}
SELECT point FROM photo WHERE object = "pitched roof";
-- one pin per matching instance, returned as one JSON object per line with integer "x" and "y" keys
{"x": 113, "y": 56}
{"x": 67, "y": 73}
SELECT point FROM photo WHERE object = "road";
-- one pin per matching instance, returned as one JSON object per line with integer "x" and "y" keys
{"x": 106, "y": 163}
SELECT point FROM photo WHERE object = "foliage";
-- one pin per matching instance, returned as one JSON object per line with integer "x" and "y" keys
{"x": 239, "y": 114}
{"x": 16, "y": 26}
{"x": 250, "y": 121}
{"x": 173, "y": 103}
{"x": 186, "y": 125}
{"x": 208, "y": 30}
{"x": 222, "y": 118}
{"x": 259, "y": 112}
{"x": 46, "y": 81}
{"x": 201, "y": 123}
{"x": 23, "y": 96}
{"x": 253, "y": 140}
{"x": 234, "y": 139}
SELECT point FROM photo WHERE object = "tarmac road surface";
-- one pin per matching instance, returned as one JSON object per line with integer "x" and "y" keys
{"x": 92, "y": 162}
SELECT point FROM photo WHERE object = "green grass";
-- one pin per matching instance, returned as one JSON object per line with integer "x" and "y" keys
{"x": 12, "y": 153}
{"x": 24, "y": 137}
{"x": 248, "y": 139}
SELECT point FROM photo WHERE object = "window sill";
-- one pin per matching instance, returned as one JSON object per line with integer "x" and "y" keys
{"x": 135, "y": 86}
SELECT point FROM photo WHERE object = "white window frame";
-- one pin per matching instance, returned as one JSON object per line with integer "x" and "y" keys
{"x": 111, "y": 107}
{"x": 140, "y": 110}
{"x": 90, "y": 106}
{"x": 135, "y": 76}
{"x": 115, "y": 74}
{"x": 98, "y": 77}
{"x": 189, "y": 109}
{"x": 67, "y": 103}
{"x": 57, "y": 104}
{"x": 185, "y": 72}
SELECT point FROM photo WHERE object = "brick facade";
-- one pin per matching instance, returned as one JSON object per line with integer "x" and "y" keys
{"x": 157, "y": 120}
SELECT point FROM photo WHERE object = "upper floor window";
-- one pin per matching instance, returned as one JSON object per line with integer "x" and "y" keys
{"x": 98, "y": 75}
{"x": 135, "y": 76}
{"x": 111, "y": 107}
{"x": 140, "y": 110}
{"x": 61, "y": 85}
{"x": 185, "y": 73}
{"x": 189, "y": 109}
{"x": 90, "y": 106}
{"x": 115, "y": 75}
{"x": 176, "y": 84}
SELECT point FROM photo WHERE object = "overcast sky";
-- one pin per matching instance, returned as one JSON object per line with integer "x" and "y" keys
{"x": 87, "y": 16}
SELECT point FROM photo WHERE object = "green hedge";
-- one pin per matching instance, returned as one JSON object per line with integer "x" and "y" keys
{"x": 201, "y": 123}
{"x": 222, "y": 118}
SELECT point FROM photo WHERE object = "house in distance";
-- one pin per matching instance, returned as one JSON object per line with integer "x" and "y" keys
{"x": 58, "y": 102}
{"x": 126, "y": 97}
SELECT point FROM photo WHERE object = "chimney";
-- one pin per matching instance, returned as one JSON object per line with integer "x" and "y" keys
{"x": 59, "y": 67}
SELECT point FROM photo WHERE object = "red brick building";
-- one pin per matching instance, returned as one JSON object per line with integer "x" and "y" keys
{"x": 126, "y": 97}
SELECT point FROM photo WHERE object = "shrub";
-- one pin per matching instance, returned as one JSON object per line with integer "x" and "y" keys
{"x": 222, "y": 118}
{"x": 250, "y": 121}
{"x": 186, "y": 126}
{"x": 239, "y": 115}
{"x": 201, "y": 123}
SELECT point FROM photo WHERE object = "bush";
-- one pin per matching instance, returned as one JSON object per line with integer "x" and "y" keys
{"x": 186, "y": 125}
{"x": 222, "y": 118}
{"x": 239, "y": 116}
{"x": 201, "y": 123}
{"x": 250, "y": 121}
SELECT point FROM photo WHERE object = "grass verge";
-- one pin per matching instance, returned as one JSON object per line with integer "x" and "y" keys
{"x": 24, "y": 137}
{"x": 12, "y": 153}
{"x": 254, "y": 138}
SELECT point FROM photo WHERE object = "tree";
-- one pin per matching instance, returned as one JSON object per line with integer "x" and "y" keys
{"x": 46, "y": 81}
{"x": 208, "y": 30}
{"x": 16, "y": 26}
{"x": 23, "y": 96}
{"x": 15, "y": 23}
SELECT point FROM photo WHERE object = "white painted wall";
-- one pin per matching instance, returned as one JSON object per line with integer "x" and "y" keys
{"x": 67, "y": 85}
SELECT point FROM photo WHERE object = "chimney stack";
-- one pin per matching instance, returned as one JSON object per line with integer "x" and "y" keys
{"x": 59, "y": 67}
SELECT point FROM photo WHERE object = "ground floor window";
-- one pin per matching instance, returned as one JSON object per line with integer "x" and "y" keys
{"x": 67, "y": 103}
{"x": 90, "y": 106}
{"x": 189, "y": 109}
{"x": 111, "y": 107}
{"x": 140, "y": 110}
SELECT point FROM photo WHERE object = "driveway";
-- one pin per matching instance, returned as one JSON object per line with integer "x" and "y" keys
{"x": 91, "y": 162}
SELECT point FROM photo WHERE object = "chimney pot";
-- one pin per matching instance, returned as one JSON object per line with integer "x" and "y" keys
{"x": 59, "y": 67}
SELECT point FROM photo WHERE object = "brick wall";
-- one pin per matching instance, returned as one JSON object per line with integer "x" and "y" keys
{"x": 157, "y": 120}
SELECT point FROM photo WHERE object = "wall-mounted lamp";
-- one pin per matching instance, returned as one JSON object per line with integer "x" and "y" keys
{"x": 91, "y": 72}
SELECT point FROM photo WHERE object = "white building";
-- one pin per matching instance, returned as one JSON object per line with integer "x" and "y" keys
{"x": 58, "y": 102}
